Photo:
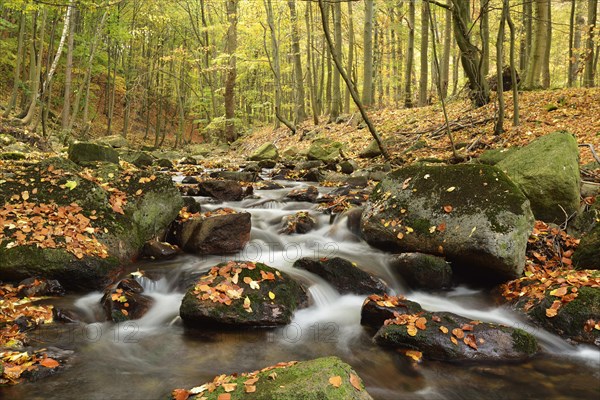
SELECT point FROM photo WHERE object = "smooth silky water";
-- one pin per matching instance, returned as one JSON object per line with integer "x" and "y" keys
{"x": 147, "y": 358}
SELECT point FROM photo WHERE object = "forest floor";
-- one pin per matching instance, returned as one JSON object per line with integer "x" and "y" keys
{"x": 541, "y": 112}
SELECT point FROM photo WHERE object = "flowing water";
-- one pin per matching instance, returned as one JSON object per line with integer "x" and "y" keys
{"x": 147, "y": 358}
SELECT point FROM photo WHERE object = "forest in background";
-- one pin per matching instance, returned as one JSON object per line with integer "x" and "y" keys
{"x": 209, "y": 70}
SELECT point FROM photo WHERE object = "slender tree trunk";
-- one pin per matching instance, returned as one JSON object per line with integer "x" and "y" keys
{"x": 536, "y": 59}
{"x": 336, "y": 101}
{"x": 355, "y": 97}
{"x": 17, "y": 72}
{"x": 570, "y": 71}
{"x": 300, "y": 113}
{"x": 230, "y": 132}
{"x": 311, "y": 68}
{"x": 527, "y": 40}
{"x": 445, "y": 67}
{"x": 350, "y": 55}
{"x": 410, "y": 55}
{"x": 367, "y": 92}
{"x": 424, "y": 58}
{"x": 513, "y": 66}
{"x": 546, "y": 64}
{"x": 66, "y": 114}
{"x": 35, "y": 92}
{"x": 485, "y": 36}
{"x": 588, "y": 75}
{"x": 499, "y": 127}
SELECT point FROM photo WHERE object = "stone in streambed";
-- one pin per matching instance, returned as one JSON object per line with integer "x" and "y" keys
{"x": 240, "y": 295}
{"x": 85, "y": 152}
{"x": 377, "y": 309}
{"x": 126, "y": 301}
{"x": 226, "y": 190}
{"x": 423, "y": 270}
{"x": 157, "y": 250}
{"x": 301, "y": 222}
{"x": 310, "y": 194}
{"x": 343, "y": 275}
{"x": 267, "y": 151}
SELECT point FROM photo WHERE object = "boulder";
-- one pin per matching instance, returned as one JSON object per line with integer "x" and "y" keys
{"x": 156, "y": 250}
{"x": 547, "y": 170}
{"x": 114, "y": 141}
{"x": 294, "y": 380}
{"x": 314, "y": 175}
{"x": 377, "y": 309}
{"x": 235, "y": 176}
{"x": 324, "y": 150}
{"x": 164, "y": 163}
{"x": 106, "y": 225}
{"x": 189, "y": 180}
{"x": 300, "y": 223}
{"x": 343, "y": 275}
{"x": 85, "y": 152}
{"x": 371, "y": 151}
{"x": 423, "y": 271}
{"x": 222, "y": 231}
{"x": 267, "y": 151}
{"x": 221, "y": 190}
{"x": 125, "y": 301}
{"x": 239, "y": 295}
{"x": 33, "y": 287}
{"x": 188, "y": 161}
{"x": 348, "y": 166}
{"x": 587, "y": 254}
{"x": 309, "y": 194}
{"x": 268, "y": 164}
{"x": 140, "y": 159}
{"x": 449, "y": 337}
{"x": 472, "y": 215}
{"x": 494, "y": 156}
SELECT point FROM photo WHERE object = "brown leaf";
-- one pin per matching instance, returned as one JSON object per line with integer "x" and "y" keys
{"x": 49, "y": 363}
{"x": 444, "y": 329}
{"x": 448, "y": 208}
{"x": 420, "y": 323}
{"x": 180, "y": 394}
{"x": 250, "y": 388}
{"x": 336, "y": 381}
{"x": 458, "y": 333}
{"x": 470, "y": 341}
{"x": 229, "y": 387}
{"x": 224, "y": 396}
{"x": 355, "y": 381}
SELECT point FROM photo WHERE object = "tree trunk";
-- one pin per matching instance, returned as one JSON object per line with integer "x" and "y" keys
{"x": 355, "y": 97}
{"x": 536, "y": 59}
{"x": 311, "y": 66}
{"x": 230, "y": 132}
{"x": 588, "y": 75}
{"x": 499, "y": 127}
{"x": 527, "y": 40}
{"x": 445, "y": 67}
{"x": 35, "y": 87}
{"x": 336, "y": 100}
{"x": 570, "y": 71}
{"x": 17, "y": 73}
{"x": 367, "y": 92}
{"x": 350, "y": 55}
{"x": 66, "y": 114}
{"x": 513, "y": 67}
{"x": 410, "y": 55}
{"x": 546, "y": 64}
{"x": 485, "y": 36}
{"x": 298, "y": 72}
{"x": 424, "y": 59}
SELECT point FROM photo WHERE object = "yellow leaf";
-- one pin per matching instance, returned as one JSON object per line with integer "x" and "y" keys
{"x": 229, "y": 387}
{"x": 444, "y": 329}
{"x": 400, "y": 236}
{"x": 415, "y": 355}
{"x": 25, "y": 195}
{"x": 551, "y": 312}
{"x": 336, "y": 381}
{"x": 451, "y": 189}
{"x": 412, "y": 330}
{"x": 272, "y": 295}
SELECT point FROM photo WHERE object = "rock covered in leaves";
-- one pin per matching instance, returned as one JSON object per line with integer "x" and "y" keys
{"x": 157, "y": 250}
{"x": 77, "y": 225}
{"x": 85, "y": 152}
{"x": 240, "y": 295}
{"x": 266, "y": 152}
{"x": 343, "y": 275}
{"x": 126, "y": 301}
{"x": 449, "y": 337}
{"x": 33, "y": 287}
{"x": 308, "y": 194}
{"x": 377, "y": 309}
{"x": 300, "y": 223}
{"x": 564, "y": 301}
{"x": 547, "y": 170}
{"x": 423, "y": 270}
{"x": 323, "y": 378}
{"x": 222, "y": 231}
{"x": 472, "y": 215}
{"x": 226, "y": 190}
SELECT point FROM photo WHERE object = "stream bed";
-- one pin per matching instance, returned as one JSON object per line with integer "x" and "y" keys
{"x": 147, "y": 358}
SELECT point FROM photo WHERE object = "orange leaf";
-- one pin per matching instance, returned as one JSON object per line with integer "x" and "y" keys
{"x": 336, "y": 381}
{"x": 470, "y": 341}
{"x": 420, "y": 323}
{"x": 415, "y": 355}
{"x": 49, "y": 363}
{"x": 224, "y": 396}
{"x": 458, "y": 333}
{"x": 444, "y": 329}
{"x": 448, "y": 208}
{"x": 250, "y": 388}
{"x": 355, "y": 381}
{"x": 180, "y": 394}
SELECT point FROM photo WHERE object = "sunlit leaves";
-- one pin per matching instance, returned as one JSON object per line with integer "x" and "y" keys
{"x": 335, "y": 381}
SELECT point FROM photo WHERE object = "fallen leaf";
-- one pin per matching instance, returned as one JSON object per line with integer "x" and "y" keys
{"x": 49, "y": 363}
{"x": 71, "y": 185}
{"x": 224, "y": 396}
{"x": 250, "y": 388}
{"x": 448, "y": 208}
{"x": 272, "y": 295}
{"x": 415, "y": 355}
{"x": 412, "y": 330}
{"x": 470, "y": 341}
{"x": 400, "y": 236}
{"x": 451, "y": 189}
{"x": 229, "y": 387}
{"x": 406, "y": 182}
{"x": 336, "y": 381}
{"x": 180, "y": 394}
{"x": 560, "y": 292}
{"x": 355, "y": 381}
{"x": 458, "y": 333}
{"x": 444, "y": 329}
{"x": 25, "y": 195}
{"x": 420, "y": 323}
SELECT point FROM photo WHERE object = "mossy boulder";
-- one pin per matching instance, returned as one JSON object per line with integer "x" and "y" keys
{"x": 547, "y": 170}
{"x": 378, "y": 309}
{"x": 81, "y": 224}
{"x": 587, "y": 254}
{"x": 343, "y": 275}
{"x": 450, "y": 337}
{"x": 423, "y": 270}
{"x": 266, "y": 152}
{"x": 371, "y": 151}
{"x": 85, "y": 152}
{"x": 115, "y": 141}
{"x": 324, "y": 150}
{"x": 140, "y": 159}
{"x": 239, "y": 295}
{"x": 472, "y": 215}
{"x": 306, "y": 380}
{"x": 494, "y": 156}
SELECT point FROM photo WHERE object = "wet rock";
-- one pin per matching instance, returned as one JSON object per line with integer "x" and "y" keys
{"x": 25, "y": 323}
{"x": 309, "y": 194}
{"x": 377, "y": 309}
{"x": 235, "y": 176}
{"x": 159, "y": 250}
{"x": 267, "y": 151}
{"x": 314, "y": 175}
{"x": 33, "y": 287}
{"x": 252, "y": 167}
{"x": 85, "y": 152}
{"x": 222, "y": 231}
{"x": 65, "y": 316}
{"x": 343, "y": 275}
{"x": 358, "y": 181}
{"x": 423, "y": 271}
{"x": 227, "y": 190}
{"x": 268, "y": 185}
{"x": 189, "y": 180}
{"x": 348, "y": 166}
{"x": 191, "y": 205}
{"x": 304, "y": 380}
{"x": 353, "y": 223}
{"x": 188, "y": 161}
{"x": 267, "y": 164}
{"x": 239, "y": 295}
{"x": 475, "y": 340}
{"x": 306, "y": 165}
{"x": 189, "y": 190}
{"x": 165, "y": 163}
{"x": 140, "y": 159}
{"x": 126, "y": 301}
{"x": 472, "y": 215}
{"x": 300, "y": 223}
{"x": 547, "y": 170}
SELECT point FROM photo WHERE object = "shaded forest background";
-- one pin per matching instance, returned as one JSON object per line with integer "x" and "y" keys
{"x": 182, "y": 71}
